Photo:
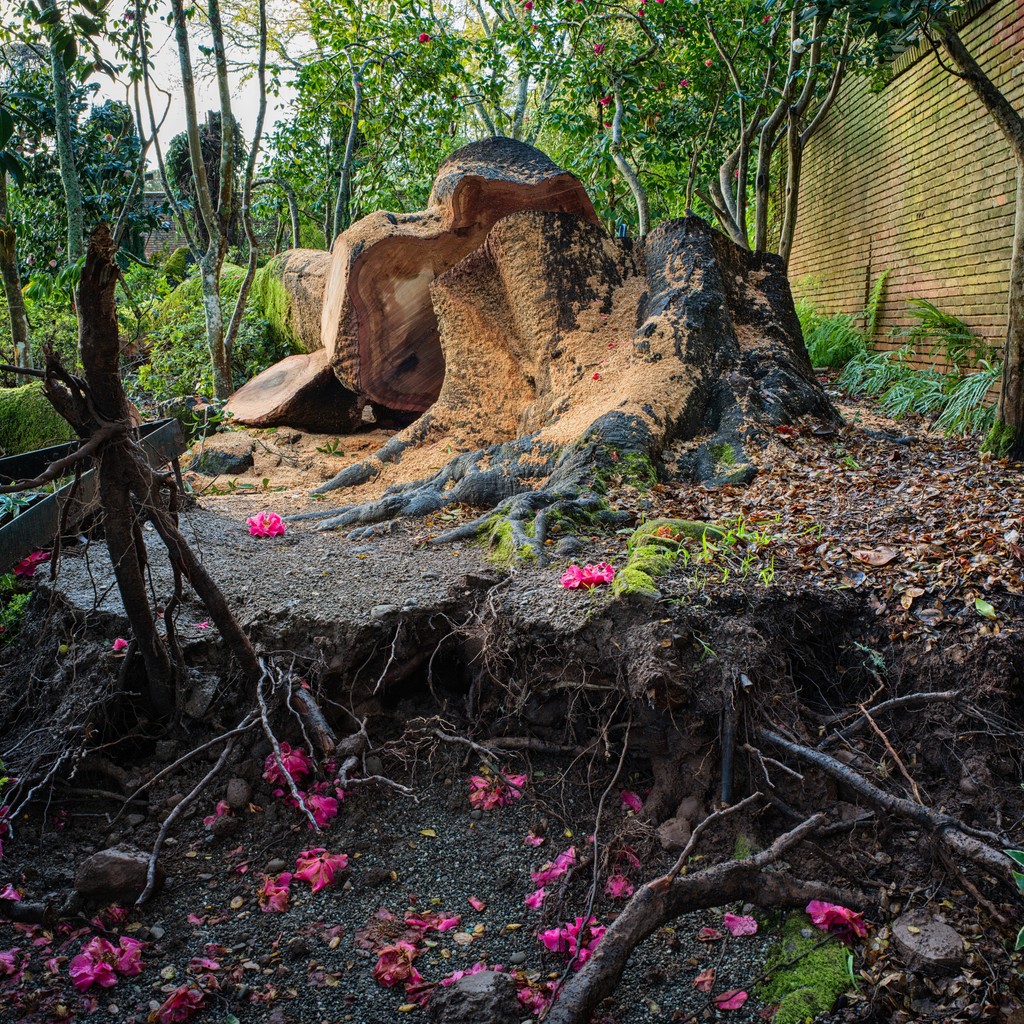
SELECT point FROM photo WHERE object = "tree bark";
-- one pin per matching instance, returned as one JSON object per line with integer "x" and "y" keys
{"x": 12, "y": 284}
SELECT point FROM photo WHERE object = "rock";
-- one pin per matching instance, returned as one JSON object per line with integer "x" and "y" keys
{"x": 689, "y": 808}
{"x": 927, "y": 944}
{"x": 275, "y": 866}
{"x": 156, "y": 932}
{"x": 135, "y": 820}
{"x": 238, "y": 794}
{"x": 517, "y": 958}
{"x": 484, "y": 998}
{"x": 674, "y": 833}
{"x": 382, "y": 611}
{"x": 117, "y": 874}
{"x": 226, "y": 825}
{"x": 223, "y": 453}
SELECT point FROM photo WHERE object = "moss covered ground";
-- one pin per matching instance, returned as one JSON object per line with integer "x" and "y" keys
{"x": 28, "y": 421}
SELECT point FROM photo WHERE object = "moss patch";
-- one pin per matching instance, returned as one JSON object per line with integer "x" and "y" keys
{"x": 631, "y": 468}
{"x": 28, "y": 421}
{"x": 503, "y": 547}
{"x": 812, "y": 984}
{"x": 653, "y": 549}
{"x": 999, "y": 439}
{"x": 271, "y": 296}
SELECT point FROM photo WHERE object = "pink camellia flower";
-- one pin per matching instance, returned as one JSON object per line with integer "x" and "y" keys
{"x": 605, "y": 100}
{"x": 618, "y": 886}
{"x": 318, "y": 867}
{"x": 599, "y": 48}
{"x": 424, "y": 38}
{"x": 394, "y": 965}
{"x": 129, "y": 956}
{"x": 26, "y": 568}
{"x": 579, "y": 939}
{"x": 708, "y": 62}
{"x": 532, "y": 840}
{"x": 94, "y": 965}
{"x": 323, "y": 808}
{"x": 684, "y": 83}
{"x": 486, "y": 793}
{"x": 555, "y": 868}
{"x": 590, "y": 576}
{"x": 830, "y": 917}
{"x": 266, "y": 524}
{"x": 535, "y": 899}
{"x": 119, "y": 644}
{"x": 631, "y": 801}
{"x": 737, "y": 926}
{"x": 273, "y": 896}
{"x": 731, "y": 1000}
{"x": 296, "y": 763}
{"x": 536, "y": 998}
{"x": 528, "y": 5}
{"x": 181, "y": 1005}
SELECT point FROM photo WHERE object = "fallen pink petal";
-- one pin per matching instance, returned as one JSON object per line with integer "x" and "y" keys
{"x": 737, "y": 926}
{"x": 535, "y": 899}
{"x": 318, "y": 867}
{"x": 181, "y": 1005}
{"x": 618, "y": 887}
{"x": 274, "y": 893}
{"x": 631, "y": 801}
{"x": 831, "y": 917}
{"x": 477, "y": 904}
{"x": 532, "y": 840}
{"x": 119, "y": 644}
{"x": 731, "y": 1000}
{"x": 709, "y": 935}
{"x": 26, "y": 568}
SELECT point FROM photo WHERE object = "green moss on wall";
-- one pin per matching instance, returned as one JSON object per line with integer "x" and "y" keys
{"x": 812, "y": 984}
{"x": 28, "y": 421}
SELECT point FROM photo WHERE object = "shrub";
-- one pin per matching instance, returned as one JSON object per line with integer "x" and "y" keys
{"x": 833, "y": 341}
{"x": 179, "y": 359}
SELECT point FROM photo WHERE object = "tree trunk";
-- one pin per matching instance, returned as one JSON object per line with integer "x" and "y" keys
{"x": 341, "y": 205}
{"x": 12, "y": 284}
{"x": 1009, "y": 430}
{"x": 65, "y": 148}
{"x": 794, "y": 164}
{"x": 209, "y": 268}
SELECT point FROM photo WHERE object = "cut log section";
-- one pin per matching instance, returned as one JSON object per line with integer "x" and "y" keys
{"x": 290, "y": 291}
{"x": 379, "y": 328}
{"x": 300, "y": 391}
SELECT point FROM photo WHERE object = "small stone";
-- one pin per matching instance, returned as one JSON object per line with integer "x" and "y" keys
{"x": 173, "y": 800}
{"x": 225, "y": 825}
{"x": 927, "y": 944}
{"x": 115, "y": 874}
{"x": 135, "y": 820}
{"x": 374, "y": 765}
{"x": 517, "y": 958}
{"x": 275, "y": 866}
{"x": 475, "y": 998}
{"x": 298, "y": 946}
{"x": 674, "y": 834}
{"x": 382, "y": 611}
{"x": 476, "y": 814}
{"x": 806, "y": 933}
{"x": 156, "y": 932}
{"x": 238, "y": 794}
{"x": 410, "y": 602}
{"x": 429, "y": 575}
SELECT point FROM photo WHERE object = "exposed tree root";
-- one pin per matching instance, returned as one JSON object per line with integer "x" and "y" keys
{"x": 659, "y": 901}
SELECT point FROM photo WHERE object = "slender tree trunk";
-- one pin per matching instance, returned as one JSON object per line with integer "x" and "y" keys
{"x": 632, "y": 179}
{"x": 209, "y": 271}
{"x": 65, "y": 147}
{"x": 1007, "y": 436}
{"x": 794, "y": 164}
{"x": 341, "y": 205}
{"x": 1010, "y": 409}
{"x": 12, "y": 284}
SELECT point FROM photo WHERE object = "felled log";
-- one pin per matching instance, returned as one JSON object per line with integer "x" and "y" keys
{"x": 290, "y": 291}
{"x": 301, "y": 391}
{"x": 379, "y": 328}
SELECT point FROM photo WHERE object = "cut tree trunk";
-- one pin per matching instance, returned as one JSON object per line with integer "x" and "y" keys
{"x": 300, "y": 391}
{"x": 379, "y": 327}
{"x": 572, "y": 357}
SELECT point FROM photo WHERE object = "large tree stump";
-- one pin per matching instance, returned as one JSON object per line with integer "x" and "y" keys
{"x": 572, "y": 356}
{"x": 379, "y": 327}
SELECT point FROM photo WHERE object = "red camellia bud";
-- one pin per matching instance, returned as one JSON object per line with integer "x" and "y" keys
{"x": 605, "y": 100}
{"x": 528, "y": 5}
{"x": 599, "y": 48}
{"x": 424, "y": 38}
{"x": 685, "y": 83}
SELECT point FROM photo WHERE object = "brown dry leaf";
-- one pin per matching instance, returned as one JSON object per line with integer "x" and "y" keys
{"x": 462, "y": 938}
{"x": 910, "y": 595}
{"x": 876, "y": 556}
{"x": 705, "y": 981}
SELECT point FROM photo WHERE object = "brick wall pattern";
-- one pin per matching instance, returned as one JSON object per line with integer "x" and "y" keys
{"x": 916, "y": 179}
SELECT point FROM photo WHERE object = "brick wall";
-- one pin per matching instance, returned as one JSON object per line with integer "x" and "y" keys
{"x": 916, "y": 179}
{"x": 167, "y": 236}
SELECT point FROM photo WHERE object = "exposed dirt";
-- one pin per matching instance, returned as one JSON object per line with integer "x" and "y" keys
{"x": 856, "y": 577}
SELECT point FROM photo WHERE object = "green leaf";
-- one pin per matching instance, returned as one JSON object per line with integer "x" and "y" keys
{"x": 6, "y": 126}
{"x": 13, "y": 166}
{"x": 984, "y": 608}
{"x": 1019, "y": 879}
{"x": 70, "y": 52}
{"x": 1020, "y": 940}
{"x": 1017, "y": 856}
